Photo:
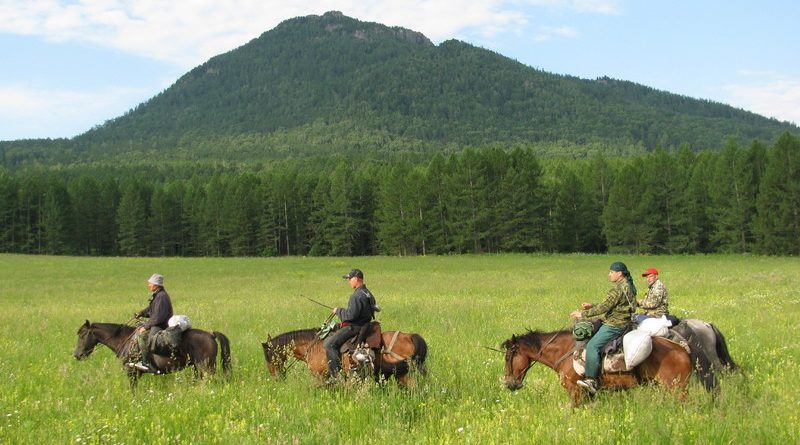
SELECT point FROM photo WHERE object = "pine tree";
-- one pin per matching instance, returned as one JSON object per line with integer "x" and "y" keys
{"x": 9, "y": 206}
{"x": 57, "y": 220}
{"x": 733, "y": 200}
{"x": 132, "y": 221}
{"x": 778, "y": 221}
{"x": 85, "y": 196}
{"x": 623, "y": 217}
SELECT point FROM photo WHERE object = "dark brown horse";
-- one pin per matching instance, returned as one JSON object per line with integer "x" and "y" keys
{"x": 669, "y": 364}
{"x": 198, "y": 348}
{"x": 304, "y": 345}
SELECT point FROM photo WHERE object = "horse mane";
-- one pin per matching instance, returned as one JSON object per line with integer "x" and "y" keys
{"x": 293, "y": 336}
{"x": 114, "y": 328}
{"x": 533, "y": 338}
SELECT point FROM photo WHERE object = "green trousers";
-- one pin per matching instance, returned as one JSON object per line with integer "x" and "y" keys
{"x": 604, "y": 335}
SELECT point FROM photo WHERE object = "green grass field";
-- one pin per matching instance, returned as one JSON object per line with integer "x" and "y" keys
{"x": 457, "y": 303}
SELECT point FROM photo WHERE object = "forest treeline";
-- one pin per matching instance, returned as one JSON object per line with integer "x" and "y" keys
{"x": 738, "y": 199}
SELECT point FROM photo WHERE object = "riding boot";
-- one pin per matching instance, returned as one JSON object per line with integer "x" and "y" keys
{"x": 590, "y": 384}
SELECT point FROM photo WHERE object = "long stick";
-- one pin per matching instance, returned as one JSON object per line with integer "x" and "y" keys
{"x": 317, "y": 302}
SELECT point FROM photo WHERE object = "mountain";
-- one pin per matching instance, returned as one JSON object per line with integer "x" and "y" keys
{"x": 330, "y": 83}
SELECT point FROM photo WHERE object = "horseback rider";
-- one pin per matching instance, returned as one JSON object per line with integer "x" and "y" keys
{"x": 158, "y": 313}
{"x": 615, "y": 311}
{"x": 656, "y": 302}
{"x": 360, "y": 310}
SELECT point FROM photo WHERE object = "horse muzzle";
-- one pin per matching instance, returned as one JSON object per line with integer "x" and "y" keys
{"x": 512, "y": 383}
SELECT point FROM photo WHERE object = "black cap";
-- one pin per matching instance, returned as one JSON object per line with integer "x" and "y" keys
{"x": 354, "y": 273}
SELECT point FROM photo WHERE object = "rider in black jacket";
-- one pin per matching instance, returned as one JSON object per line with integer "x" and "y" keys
{"x": 360, "y": 310}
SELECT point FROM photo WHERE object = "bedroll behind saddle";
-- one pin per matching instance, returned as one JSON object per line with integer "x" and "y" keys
{"x": 165, "y": 342}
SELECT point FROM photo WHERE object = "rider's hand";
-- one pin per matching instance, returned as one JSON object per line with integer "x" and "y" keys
{"x": 333, "y": 311}
{"x": 586, "y": 305}
{"x": 575, "y": 314}
{"x": 140, "y": 329}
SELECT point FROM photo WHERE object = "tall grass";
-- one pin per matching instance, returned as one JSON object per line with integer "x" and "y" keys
{"x": 457, "y": 303}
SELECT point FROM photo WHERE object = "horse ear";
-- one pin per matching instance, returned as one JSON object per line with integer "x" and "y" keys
{"x": 513, "y": 338}
{"x": 87, "y": 323}
{"x": 269, "y": 337}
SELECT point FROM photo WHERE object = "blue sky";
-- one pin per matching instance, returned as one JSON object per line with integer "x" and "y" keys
{"x": 70, "y": 65}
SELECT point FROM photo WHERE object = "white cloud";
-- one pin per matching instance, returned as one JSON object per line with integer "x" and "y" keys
{"x": 608, "y": 7}
{"x": 548, "y": 32}
{"x": 772, "y": 96}
{"x": 189, "y": 32}
{"x": 30, "y": 113}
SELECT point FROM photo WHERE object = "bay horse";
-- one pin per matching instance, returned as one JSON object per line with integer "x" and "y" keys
{"x": 668, "y": 364}
{"x": 407, "y": 349}
{"x": 198, "y": 349}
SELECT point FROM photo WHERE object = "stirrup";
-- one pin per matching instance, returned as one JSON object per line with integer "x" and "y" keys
{"x": 590, "y": 384}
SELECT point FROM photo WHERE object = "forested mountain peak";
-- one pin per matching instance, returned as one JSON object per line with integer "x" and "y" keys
{"x": 331, "y": 84}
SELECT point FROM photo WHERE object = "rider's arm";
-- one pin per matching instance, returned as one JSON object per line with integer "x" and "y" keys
{"x": 611, "y": 300}
{"x": 354, "y": 308}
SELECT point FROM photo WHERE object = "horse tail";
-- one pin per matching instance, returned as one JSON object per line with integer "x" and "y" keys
{"x": 722, "y": 349}
{"x": 420, "y": 353}
{"x": 702, "y": 364}
{"x": 225, "y": 352}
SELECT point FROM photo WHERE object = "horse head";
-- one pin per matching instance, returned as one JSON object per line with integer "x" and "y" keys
{"x": 86, "y": 341}
{"x": 517, "y": 364}
{"x": 275, "y": 357}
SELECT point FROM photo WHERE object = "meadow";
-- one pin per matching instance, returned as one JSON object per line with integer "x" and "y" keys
{"x": 457, "y": 303}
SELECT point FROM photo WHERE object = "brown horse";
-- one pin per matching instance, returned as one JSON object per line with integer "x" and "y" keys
{"x": 198, "y": 348}
{"x": 669, "y": 364}
{"x": 304, "y": 345}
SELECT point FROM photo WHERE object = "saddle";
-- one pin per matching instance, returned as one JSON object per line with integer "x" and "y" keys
{"x": 369, "y": 335}
{"x": 613, "y": 355}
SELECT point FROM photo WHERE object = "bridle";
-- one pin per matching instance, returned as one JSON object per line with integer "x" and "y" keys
{"x": 514, "y": 349}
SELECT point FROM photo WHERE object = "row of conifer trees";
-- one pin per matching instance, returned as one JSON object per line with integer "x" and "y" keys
{"x": 738, "y": 199}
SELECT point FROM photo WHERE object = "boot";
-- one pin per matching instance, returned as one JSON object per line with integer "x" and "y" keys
{"x": 589, "y": 383}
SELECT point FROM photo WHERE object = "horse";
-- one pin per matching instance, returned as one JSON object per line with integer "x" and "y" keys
{"x": 306, "y": 346}
{"x": 706, "y": 338}
{"x": 198, "y": 348}
{"x": 668, "y": 364}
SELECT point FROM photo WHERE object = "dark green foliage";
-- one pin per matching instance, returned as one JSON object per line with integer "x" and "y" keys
{"x": 733, "y": 200}
{"x": 477, "y": 201}
{"x": 778, "y": 221}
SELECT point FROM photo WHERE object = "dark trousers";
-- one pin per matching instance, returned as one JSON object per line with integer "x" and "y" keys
{"x": 332, "y": 344}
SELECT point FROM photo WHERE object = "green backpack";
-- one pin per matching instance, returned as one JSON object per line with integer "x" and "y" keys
{"x": 583, "y": 330}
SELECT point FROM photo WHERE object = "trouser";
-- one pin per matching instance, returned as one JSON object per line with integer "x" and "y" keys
{"x": 604, "y": 335}
{"x": 332, "y": 344}
{"x": 142, "y": 351}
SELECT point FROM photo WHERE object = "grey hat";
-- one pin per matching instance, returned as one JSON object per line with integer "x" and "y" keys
{"x": 156, "y": 279}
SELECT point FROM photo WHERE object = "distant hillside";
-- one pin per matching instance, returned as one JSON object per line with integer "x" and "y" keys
{"x": 322, "y": 84}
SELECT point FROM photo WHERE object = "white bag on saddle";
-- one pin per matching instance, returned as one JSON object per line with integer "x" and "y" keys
{"x": 181, "y": 321}
{"x": 656, "y": 327}
{"x": 637, "y": 345}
